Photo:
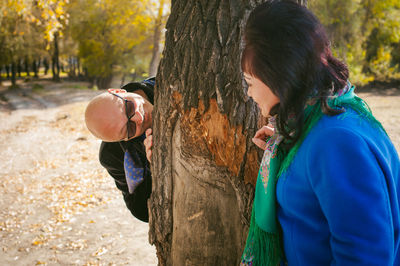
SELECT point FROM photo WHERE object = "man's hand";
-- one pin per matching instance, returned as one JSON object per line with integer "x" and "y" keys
{"x": 261, "y": 135}
{"x": 148, "y": 143}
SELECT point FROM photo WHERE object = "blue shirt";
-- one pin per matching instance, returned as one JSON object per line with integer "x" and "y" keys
{"x": 338, "y": 202}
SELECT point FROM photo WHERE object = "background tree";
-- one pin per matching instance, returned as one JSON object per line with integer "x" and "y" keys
{"x": 159, "y": 18}
{"x": 13, "y": 25}
{"x": 54, "y": 18}
{"x": 364, "y": 33}
{"x": 108, "y": 33}
{"x": 204, "y": 163}
{"x": 38, "y": 33}
{"x": 383, "y": 28}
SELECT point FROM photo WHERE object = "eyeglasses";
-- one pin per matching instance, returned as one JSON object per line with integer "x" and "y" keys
{"x": 129, "y": 112}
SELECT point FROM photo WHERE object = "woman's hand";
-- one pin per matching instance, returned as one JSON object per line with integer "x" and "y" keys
{"x": 148, "y": 143}
{"x": 260, "y": 137}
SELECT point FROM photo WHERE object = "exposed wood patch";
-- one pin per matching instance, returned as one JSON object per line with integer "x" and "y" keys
{"x": 251, "y": 167}
{"x": 209, "y": 132}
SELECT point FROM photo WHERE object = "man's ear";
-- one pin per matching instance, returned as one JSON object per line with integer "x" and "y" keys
{"x": 116, "y": 90}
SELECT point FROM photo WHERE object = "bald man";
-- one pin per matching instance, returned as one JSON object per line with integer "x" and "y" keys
{"x": 121, "y": 119}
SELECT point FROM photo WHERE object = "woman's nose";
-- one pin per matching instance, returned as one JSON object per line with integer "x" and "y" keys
{"x": 248, "y": 92}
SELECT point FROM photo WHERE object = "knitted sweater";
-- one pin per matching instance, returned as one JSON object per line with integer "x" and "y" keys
{"x": 338, "y": 202}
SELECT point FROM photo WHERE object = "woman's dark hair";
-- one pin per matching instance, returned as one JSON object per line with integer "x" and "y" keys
{"x": 287, "y": 48}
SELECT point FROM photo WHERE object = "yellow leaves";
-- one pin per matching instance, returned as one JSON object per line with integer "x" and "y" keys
{"x": 380, "y": 66}
{"x": 45, "y": 15}
{"x": 79, "y": 244}
{"x": 59, "y": 11}
{"x": 19, "y": 6}
{"x": 43, "y": 165}
{"x": 39, "y": 240}
{"x": 84, "y": 204}
{"x": 100, "y": 251}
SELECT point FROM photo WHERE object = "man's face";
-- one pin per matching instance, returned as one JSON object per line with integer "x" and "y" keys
{"x": 107, "y": 117}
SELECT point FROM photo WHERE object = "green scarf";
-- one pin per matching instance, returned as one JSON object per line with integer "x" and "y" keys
{"x": 264, "y": 241}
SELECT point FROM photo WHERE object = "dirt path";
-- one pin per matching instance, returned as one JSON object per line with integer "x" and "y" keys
{"x": 385, "y": 105}
{"x": 57, "y": 205}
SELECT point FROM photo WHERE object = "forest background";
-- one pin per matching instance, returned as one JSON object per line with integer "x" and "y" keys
{"x": 98, "y": 40}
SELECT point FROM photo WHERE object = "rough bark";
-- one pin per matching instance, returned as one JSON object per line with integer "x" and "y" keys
{"x": 204, "y": 163}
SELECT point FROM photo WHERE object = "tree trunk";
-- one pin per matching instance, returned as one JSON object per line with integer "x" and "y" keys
{"x": 78, "y": 66}
{"x": 19, "y": 68}
{"x": 302, "y": 2}
{"x": 26, "y": 62}
{"x": 72, "y": 67}
{"x": 46, "y": 66}
{"x": 56, "y": 64}
{"x": 35, "y": 68}
{"x": 155, "y": 58}
{"x": 204, "y": 163}
{"x": 7, "y": 67}
{"x": 103, "y": 83}
{"x": 13, "y": 74}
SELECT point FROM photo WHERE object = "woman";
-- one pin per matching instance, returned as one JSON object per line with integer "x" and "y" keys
{"x": 328, "y": 187}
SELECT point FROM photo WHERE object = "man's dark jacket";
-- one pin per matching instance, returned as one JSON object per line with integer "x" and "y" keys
{"x": 112, "y": 158}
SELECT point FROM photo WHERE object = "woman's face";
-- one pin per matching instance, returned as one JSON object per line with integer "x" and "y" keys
{"x": 261, "y": 94}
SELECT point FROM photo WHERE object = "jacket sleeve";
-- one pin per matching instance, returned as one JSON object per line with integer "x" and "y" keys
{"x": 353, "y": 194}
{"x": 112, "y": 159}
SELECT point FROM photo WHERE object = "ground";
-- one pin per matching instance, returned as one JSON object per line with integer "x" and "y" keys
{"x": 58, "y": 206}
{"x": 384, "y": 101}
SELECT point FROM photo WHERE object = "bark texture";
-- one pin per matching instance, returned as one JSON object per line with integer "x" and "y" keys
{"x": 204, "y": 163}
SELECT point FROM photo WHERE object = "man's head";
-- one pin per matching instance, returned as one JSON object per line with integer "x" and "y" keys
{"x": 107, "y": 115}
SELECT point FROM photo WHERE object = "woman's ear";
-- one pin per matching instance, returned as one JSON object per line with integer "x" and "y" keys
{"x": 116, "y": 90}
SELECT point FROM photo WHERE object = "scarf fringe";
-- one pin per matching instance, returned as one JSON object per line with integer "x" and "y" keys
{"x": 363, "y": 110}
{"x": 262, "y": 248}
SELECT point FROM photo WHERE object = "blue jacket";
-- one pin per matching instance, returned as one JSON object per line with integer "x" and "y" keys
{"x": 338, "y": 202}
